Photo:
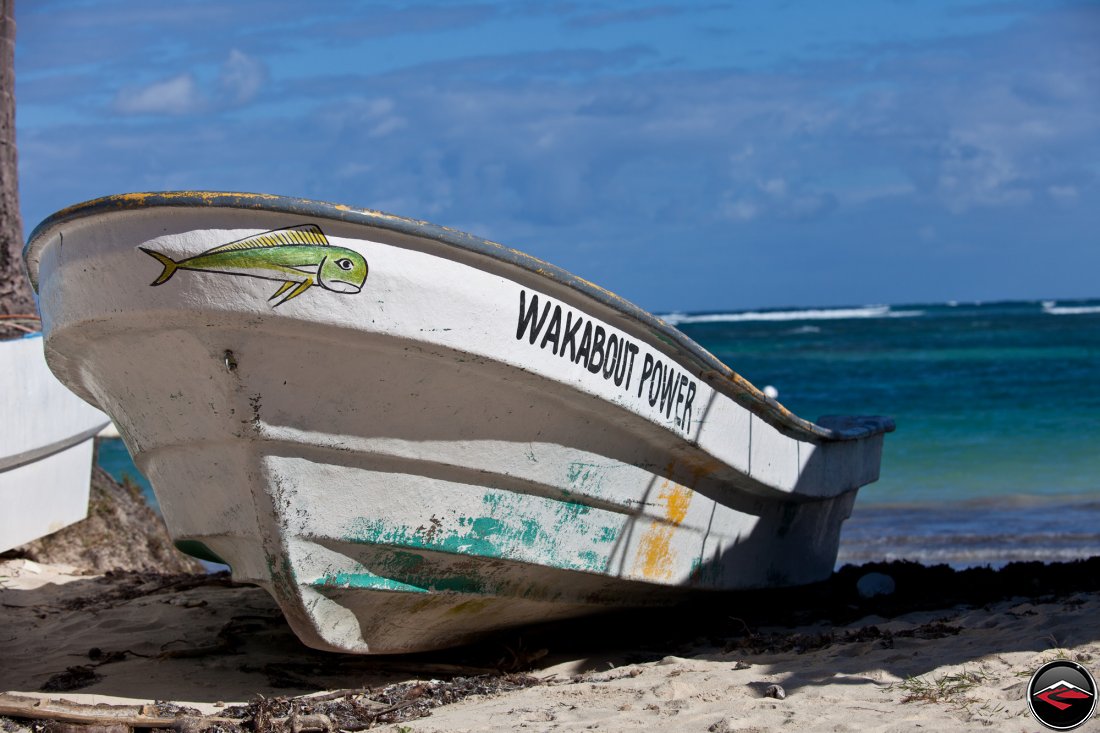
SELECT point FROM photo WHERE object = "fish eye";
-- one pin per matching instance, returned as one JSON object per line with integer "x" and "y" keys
{"x": 345, "y": 264}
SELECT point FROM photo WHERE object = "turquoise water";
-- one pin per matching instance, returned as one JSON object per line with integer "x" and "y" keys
{"x": 990, "y": 399}
{"x": 112, "y": 457}
{"x": 997, "y": 452}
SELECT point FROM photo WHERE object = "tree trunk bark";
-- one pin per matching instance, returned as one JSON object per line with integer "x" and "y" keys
{"x": 16, "y": 296}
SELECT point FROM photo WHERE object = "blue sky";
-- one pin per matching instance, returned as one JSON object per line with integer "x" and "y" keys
{"x": 689, "y": 155}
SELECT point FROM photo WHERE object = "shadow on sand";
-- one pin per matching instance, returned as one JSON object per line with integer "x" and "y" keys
{"x": 205, "y": 639}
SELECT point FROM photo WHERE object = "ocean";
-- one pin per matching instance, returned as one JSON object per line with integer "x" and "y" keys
{"x": 996, "y": 457}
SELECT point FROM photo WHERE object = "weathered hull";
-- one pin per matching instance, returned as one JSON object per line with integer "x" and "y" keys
{"x": 474, "y": 440}
{"x": 46, "y": 447}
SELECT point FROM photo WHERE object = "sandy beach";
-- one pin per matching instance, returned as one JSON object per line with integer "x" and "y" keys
{"x": 946, "y": 651}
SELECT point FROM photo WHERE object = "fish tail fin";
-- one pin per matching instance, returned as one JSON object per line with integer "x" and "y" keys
{"x": 170, "y": 265}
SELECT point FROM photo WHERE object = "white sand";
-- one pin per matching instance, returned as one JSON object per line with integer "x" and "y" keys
{"x": 211, "y": 643}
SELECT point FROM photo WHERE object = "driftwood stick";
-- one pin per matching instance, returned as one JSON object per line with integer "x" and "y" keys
{"x": 337, "y": 694}
{"x": 33, "y": 708}
{"x": 136, "y": 716}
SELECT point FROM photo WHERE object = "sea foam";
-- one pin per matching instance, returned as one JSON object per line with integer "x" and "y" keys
{"x": 1052, "y": 307}
{"x": 811, "y": 314}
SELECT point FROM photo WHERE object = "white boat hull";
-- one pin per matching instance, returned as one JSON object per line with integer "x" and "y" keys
{"x": 442, "y": 453}
{"x": 46, "y": 447}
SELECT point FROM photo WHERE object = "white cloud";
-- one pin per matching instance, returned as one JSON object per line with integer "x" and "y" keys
{"x": 774, "y": 187}
{"x": 858, "y": 195}
{"x": 241, "y": 77}
{"x": 980, "y": 173}
{"x": 744, "y": 154}
{"x": 373, "y": 118}
{"x": 176, "y": 96}
{"x": 740, "y": 210}
{"x": 1063, "y": 194}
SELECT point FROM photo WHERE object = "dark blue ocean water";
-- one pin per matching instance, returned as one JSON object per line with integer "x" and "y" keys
{"x": 997, "y": 452}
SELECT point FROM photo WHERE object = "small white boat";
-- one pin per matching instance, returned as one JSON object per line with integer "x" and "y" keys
{"x": 411, "y": 436}
{"x": 46, "y": 446}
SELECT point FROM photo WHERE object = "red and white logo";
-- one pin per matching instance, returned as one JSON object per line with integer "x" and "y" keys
{"x": 1062, "y": 695}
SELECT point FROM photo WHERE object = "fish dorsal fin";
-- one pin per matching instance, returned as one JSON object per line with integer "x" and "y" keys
{"x": 302, "y": 234}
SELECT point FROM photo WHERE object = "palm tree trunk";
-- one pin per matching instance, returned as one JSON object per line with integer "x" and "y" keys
{"x": 15, "y": 290}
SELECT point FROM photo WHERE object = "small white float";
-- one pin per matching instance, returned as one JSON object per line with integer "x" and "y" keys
{"x": 411, "y": 436}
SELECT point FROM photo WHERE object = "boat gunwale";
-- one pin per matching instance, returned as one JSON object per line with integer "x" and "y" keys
{"x": 720, "y": 376}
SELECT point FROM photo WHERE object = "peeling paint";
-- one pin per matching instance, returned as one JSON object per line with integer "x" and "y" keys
{"x": 365, "y": 581}
{"x": 396, "y": 570}
{"x": 561, "y": 534}
{"x": 586, "y": 478}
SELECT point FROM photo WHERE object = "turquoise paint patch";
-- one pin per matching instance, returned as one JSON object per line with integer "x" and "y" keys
{"x": 365, "y": 581}
{"x": 412, "y": 584}
{"x": 589, "y": 479}
{"x": 703, "y": 573}
{"x": 404, "y": 562}
{"x": 478, "y": 537}
{"x": 530, "y": 531}
{"x": 590, "y": 556}
{"x": 485, "y": 528}
{"x": 550, "y": 532}
{"x": 585, "y": 477}
{"x": 405, "y": 572}
{"x": 608, "y": 534}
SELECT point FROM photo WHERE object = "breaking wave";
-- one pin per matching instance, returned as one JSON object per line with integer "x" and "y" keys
{"x": 811, "y": 314}
{"x": 1052, "y": 307}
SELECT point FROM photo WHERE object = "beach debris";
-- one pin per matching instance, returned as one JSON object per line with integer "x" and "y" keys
{"x": 16, "y": 325}
{"x": 946, "y": 688}
{"x": 722, "y": 726}
{"x": 875, "y": 584}
{"x": 346, "y": 710}
{"x": 73, "y": 678}
{"x": 775, "y": 691}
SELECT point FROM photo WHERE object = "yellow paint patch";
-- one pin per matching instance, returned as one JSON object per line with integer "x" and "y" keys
{"x": 656, "y": 557}
{"x": 677, "y": 498}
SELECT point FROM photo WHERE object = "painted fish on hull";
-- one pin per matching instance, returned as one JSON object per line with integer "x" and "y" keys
{"x": 298, "y": 256}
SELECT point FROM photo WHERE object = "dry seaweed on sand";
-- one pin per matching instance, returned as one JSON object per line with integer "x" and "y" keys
{"x": 345, "y": 710}
{"x": 17, "y": 325}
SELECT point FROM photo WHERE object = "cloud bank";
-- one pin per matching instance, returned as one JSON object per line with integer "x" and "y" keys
{"x": 888, "y": 170}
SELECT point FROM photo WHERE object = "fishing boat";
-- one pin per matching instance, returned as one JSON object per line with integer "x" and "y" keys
{"x": 46, "y": 446}
{"x": 411, "y": 436}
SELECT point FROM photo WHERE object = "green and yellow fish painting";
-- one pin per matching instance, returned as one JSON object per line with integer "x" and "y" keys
{"x": 298, "y": 256}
